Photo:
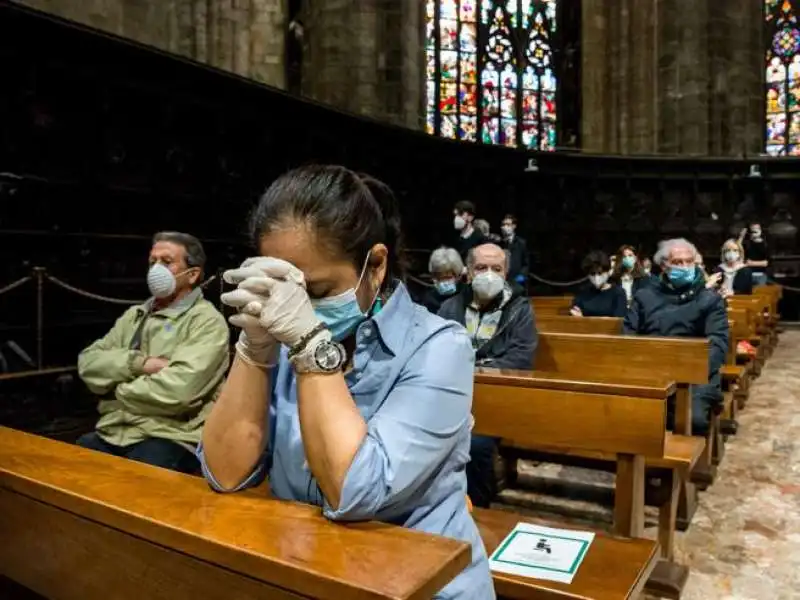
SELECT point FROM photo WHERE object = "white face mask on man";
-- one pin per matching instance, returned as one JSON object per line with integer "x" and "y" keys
{"x": 161, "y": 281}
{"x": 459, "y": 223}
{"x": 487, "y": 285}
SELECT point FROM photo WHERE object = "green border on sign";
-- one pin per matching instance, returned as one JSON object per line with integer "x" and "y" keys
{"x": 581, "y": 553}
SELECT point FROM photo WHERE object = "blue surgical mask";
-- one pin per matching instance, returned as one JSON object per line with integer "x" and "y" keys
{"x": 681, "y": 276}
{"x": 628, "y": 261}
{"x": 446, "y": 287}
{"x": 341, "y": 314}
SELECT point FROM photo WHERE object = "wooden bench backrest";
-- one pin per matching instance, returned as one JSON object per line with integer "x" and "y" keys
{"x": 552, "y": 305}
{"x": 755, "y": 304}
{"x": 773, "y": 292}
{"x": 74, "y": 522}
{"x": 549, "y": 323}
{"x": 528, "y": 416}
{"x": 684, "y": 360}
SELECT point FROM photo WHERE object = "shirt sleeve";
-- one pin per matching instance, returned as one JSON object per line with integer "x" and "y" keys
{"x": 414, "y": 432}
{"x": 109, "y": 361}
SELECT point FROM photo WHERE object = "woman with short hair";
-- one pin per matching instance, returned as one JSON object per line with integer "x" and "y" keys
{"x": 600, "y": 298}
{"x": 446, "y": 269}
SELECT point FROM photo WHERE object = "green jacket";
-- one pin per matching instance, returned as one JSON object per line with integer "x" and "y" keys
{"x": 173, "y": 403}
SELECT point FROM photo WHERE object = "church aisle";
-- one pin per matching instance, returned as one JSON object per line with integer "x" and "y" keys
{"x": 744, "y": 541}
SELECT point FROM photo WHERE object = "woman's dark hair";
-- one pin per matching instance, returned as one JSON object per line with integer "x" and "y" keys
{"x": 637, "y": 271}
{"x": 351, "y": 212}
{"x": 596, "y": 261}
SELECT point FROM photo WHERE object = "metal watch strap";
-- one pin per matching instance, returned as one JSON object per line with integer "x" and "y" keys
{"x": 301, "y": 345}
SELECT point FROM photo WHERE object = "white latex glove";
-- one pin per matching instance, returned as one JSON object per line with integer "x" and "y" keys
{"x": 278, "y": 289}
{"x": 255, "y": 344}
{"x": 575, "y": 311}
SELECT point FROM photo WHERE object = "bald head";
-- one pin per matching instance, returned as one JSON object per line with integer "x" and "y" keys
{"x": 487, "y": 257}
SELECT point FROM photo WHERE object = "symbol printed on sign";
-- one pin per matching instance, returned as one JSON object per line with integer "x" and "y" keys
{"x": 543, "y": 546}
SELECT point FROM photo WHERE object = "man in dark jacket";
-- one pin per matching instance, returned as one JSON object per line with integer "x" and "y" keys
{"x": 517, "y": 251}
{"x": 500, "y": 321}
{"x": 679, "y": 305}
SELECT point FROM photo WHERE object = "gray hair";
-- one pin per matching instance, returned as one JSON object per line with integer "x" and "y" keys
{"x": 471, "y": 255}
{"x": 195, "y": 255}
{"x": 666, "y": 247}
{"x": 445, "y": 260}
{"x": 482, "y": 225}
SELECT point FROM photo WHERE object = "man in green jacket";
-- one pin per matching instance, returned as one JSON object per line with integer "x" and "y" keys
{"x": 160, "y": 367}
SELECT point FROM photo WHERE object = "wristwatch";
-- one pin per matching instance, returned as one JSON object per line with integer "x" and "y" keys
{"x": 321, "y": 355}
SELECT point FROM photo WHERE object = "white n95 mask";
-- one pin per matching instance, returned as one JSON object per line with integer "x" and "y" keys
{"x": 487, "y": 285}
{"x": 161, "y": 281}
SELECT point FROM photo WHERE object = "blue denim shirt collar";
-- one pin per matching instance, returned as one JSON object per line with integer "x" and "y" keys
{"x": 393, "y": 319}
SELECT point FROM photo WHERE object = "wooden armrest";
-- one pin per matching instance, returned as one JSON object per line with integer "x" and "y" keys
{"x": 732, "y": 372}
{"x": 612, "y": 568}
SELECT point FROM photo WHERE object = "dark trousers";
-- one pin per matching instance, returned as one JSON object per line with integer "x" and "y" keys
{"x": 153, "y": 451}
{"x": 481, "y": 480}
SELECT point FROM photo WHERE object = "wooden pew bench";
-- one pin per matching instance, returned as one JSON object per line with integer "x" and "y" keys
{"x": 549, "y": 323}
{"x": 629, "y": 428}
{"x": 679, "y": 454}
{"x": 611, "y": 358}
{"x": 77, "y": 524}
{"x": 551, "y": 305}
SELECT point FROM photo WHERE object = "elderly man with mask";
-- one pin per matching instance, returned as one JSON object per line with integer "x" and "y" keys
{"x": 500, "y": 322}
{"x": 159, "y": 369}
{"x": 679, "y": 305}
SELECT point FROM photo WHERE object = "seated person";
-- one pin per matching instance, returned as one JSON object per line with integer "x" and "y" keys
{"x": 599, "y": 298}
{"x": 679, "y": 305}
{"x": 732, "y": 275}
{"x": 346, "y": 393}
{"x": 446, "y": 269}
{"x": 160, "y": 367}
{"x": 498, "y": 318}
{"x": 500, "y": 323}
{"x": 628, "y": 273}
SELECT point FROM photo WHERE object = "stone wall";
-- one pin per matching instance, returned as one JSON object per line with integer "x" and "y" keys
{"x": 672, "y": 76}
{"x": 245, "y": 37}
{"x": 367, "y": 57}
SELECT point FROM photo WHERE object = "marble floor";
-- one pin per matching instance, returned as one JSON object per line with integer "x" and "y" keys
{"x": 744, "y": 541}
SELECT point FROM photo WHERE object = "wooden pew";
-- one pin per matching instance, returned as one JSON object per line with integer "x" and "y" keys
{"x": 678, "y": 457}
{"x": 759, "y": 307}
{"x": 615, "y": 568}
{"x": 550, "y": 323}
{"x": 80, "y": 524}
{"x": 551, "y": 305}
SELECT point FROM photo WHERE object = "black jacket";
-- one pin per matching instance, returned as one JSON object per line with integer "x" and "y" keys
{"x": 662, "y": 310}
{"x": 742, "y": 280}
{"x": 517, "y": 250}
{"x": 432, "y": 300}
{"x": 513, "y": 345}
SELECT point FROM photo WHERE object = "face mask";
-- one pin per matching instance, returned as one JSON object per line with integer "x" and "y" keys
{"x": 756, "y": 234}
{"x": 628, "y": 261}
{"x": 161, "y": 281}
{"x": 507, "y": 230}
{"x": 731, "y": 255}
{"x": 459, "y": 222}
{"x": 342, "y": 314}
{"x": 487, "y": 285}
{"x": 647, "y": 270}
{"x": 598, "y": 280}
{"x": 445, "y": 288}
{"x": 681, "y": 276}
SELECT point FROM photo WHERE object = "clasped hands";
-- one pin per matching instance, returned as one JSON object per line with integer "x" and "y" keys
{"x": 273, "y": 308}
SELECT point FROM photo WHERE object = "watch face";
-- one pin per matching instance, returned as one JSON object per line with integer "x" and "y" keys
{"x": 328, "y": 356}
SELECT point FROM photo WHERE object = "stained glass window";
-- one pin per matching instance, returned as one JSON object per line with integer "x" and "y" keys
{"x": 490, "y": 74}
{"x": 782, "y": 78}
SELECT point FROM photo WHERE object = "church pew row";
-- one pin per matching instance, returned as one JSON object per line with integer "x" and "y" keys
{"x": 629, "y": 428}
{"x": 678, "y": 454}
{"x": 609, "y": 358}
{"x": 76, "y": 524}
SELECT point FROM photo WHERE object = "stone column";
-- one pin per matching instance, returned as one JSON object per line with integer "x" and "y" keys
{"x": 672, "y": 76}
{"x": 366, "y": 57}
